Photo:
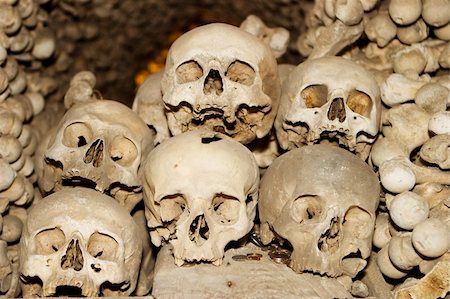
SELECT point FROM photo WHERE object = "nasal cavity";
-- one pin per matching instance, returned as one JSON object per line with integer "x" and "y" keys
{"x": 199, "y": 230}
{"x": 94, "y": 154}
{"x": 337, "y": 110}
{"x": 73, "y": 257}
{"x": 213, "y": 83}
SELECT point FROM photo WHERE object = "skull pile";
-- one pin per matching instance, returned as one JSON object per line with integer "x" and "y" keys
{"x": 78, "y": 238}
{"x": 324, "y": 205}
{"x": 221, "y": 78}
{"x": 201, "y": 198}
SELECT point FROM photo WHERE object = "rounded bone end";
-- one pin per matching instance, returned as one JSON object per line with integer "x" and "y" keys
{"x": 408, "y": 209}
{"x": 386, "y": 267}
{"x": 405, "y": 12}
{"x": 431, "y": 238}
{"x": 396, "y": 177}
{"x": 402, "y": 253}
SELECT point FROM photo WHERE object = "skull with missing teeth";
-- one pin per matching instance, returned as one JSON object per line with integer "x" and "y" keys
{"x": 78, "y": 241}
{"x": 322, "y": 199}
{"x": 98, "y": 145}
{"x": 222, "y": 78}
{"x": 201, "y": 198}
{"x": 331, "y": 99}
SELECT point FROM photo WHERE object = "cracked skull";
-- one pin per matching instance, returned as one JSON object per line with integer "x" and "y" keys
{"x": 201, "y": 198}
{"x": 222, "y": 78}
{"x": 78, "y": 241}
{"x": 331, "y": 99}
{"x": 98, "y": 145}
{"x": 324, "y": 204}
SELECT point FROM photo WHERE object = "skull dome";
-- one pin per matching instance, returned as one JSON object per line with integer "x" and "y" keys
{"x": 329, "y": 98}
{"x": 324, "y": 204}
{"x": 201, "y": 198}
{"x": 222, "y": 78}
{"x": 78, "y": 238}
{"x": 99, "y": 145}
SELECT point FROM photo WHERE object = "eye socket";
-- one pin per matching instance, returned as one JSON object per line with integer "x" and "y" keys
{"x": 241, "y": 72}
{"x": 306, "y": 208}
{"x": 189, "y": 71}
{"x": 359, "y": 102}
{"x": 225, "y": 208}
{"x": 171, "y": 207}
{"x": 123, "y": 151}
{"x": 77, "y": 135}
{"x": 102, "y": 246}
{"x": 314, "y": 96}
{"x": 49, "y": 241}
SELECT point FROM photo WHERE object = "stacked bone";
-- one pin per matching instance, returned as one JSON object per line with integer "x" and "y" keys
{"x": 25, "y": 42}
{"x": 408, "y": 51}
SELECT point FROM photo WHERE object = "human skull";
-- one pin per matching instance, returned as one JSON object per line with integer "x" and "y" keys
{"x": 99, "y": 145}
{"x": 222, "y": 78}
{"x": 322, "y": 199}
{"x": 329, "y": 98}
{"x": 201, "y": 198}
{"x": 79, "y": 240}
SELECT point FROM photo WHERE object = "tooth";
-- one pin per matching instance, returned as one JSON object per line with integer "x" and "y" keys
{"x": 218, "y": 262}
{"x": 179, "y": 261}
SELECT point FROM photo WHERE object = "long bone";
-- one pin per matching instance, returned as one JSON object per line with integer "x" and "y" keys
{"x": 400, "y": 174}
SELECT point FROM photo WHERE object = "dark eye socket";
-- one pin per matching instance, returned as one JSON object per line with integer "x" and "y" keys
{"x": 77, "y": 135}
{"x": 189, "y": 71}
{"x": 305, "y": 208}
{"x": 241, "y": 72}
{"x": 314, "y": 96}
{"x": 49, "y": 241}
{"x": 359, "y": 102}
{"x": 225, "y": 208}
{"x": 123, "y": 151}
{"x": 102, "y": 246}
{"x": 171, "y": 207}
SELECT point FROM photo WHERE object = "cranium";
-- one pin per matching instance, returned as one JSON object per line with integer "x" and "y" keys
{"x": 78, "y": 241}
{"x": 329, "y": 98}
{"x": 201, "y": 198}
{"x": 98, "y": 144}
{"x": 322, "y": 199}
{"x": 222, "y": 78}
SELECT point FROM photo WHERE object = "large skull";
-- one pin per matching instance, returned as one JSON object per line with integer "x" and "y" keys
{"x": 78, "y": 241}
{"x": 329, "y": 98}
{"x": 222, "y": 78}
{"x": 98, "y": 145}
{"x": 200, "y": 193}
{"x": 322, "y": 199}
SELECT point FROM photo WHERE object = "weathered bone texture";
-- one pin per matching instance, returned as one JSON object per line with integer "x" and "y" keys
{"x": 324, "y": 204}
{"x": 98, "y": 144}
{"x": 148, "y": 104}
{"x": 316, "y": 105}
{"x": 276, "y": 38}
{"x": 79, "y": 238}
{"x": 201, "y": 198}
{"x": 222, "y": 78}
{"x": 249, "y": 278}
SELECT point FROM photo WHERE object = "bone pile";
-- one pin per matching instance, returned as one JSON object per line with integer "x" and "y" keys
{"x": 25, "y": 42}
{"x": 352, "y": 145}
{"x": 408, "y": 52}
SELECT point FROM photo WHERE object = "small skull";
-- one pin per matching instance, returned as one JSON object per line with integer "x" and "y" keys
{"x": 78, "y": 241}
{"x": 201, "y": 198}
{"x": 98, "y": 145}
{"x": 329, "y": 99}
{"x": 222, "y": 78}
{"x": 322, "y": 199}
